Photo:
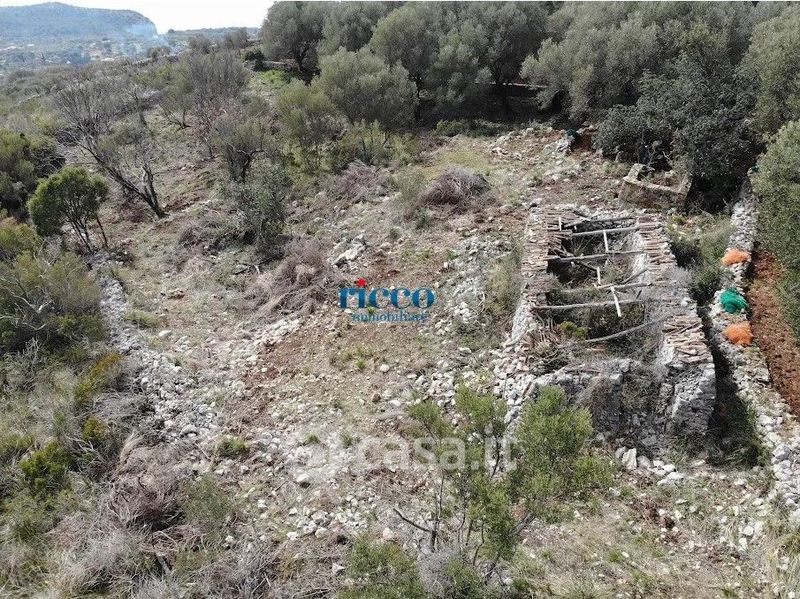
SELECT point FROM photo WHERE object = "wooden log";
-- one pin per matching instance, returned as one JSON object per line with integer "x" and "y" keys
{"x": 593, "y": 257}
{"x": 605, "y": 231}
{"x": 558, "y": 307}
{"x": 607, "y": 287}
{"x": 626, "y": 331}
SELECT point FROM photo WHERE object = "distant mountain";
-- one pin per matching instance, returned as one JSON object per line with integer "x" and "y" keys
{"x": 54, "y": 21}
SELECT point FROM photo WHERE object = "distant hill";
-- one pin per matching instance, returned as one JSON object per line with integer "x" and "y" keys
{"x": 54, "y": 21}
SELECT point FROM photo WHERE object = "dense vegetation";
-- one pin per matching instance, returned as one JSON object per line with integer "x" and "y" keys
{"x": 671, "y": 85}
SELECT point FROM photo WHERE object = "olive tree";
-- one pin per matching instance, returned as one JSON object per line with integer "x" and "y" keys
{"x": 417, "y": 21}
{"x": 71, "y": 196}
{"x": 294, "y": 30}
{"x": 365, "y": 89}
{"x": 23, "y": 160}
{"x": 241, "y": 138}
{"x": 349, "y": 25}
{"x": 778, "y": 190}
{"x": 773, "y": 63}
{"x": 309, "y": 118}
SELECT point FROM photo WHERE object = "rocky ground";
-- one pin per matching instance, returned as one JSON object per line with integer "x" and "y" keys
{"x": 308, "y": 391}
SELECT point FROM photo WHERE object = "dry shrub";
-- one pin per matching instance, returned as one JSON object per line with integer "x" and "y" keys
{"x": 243, "y": 572}
{"x": 210, "y": 232}
{"x": 739, "y": 333}
{"x": 302, "y": 279}
{"x": 147, "y": 490}
{"x": 102, "y": 556}
{"x": 735, "y": 257}
{"x": 263, "y": 569}
{"x": 456, "y": 186}
{"x": 357, "y": 183}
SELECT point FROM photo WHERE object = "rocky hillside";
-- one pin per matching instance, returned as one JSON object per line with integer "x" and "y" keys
{"x": 54, "y": 21}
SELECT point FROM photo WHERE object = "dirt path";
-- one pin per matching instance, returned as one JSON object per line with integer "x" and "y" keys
{"x": 771, "y": 331}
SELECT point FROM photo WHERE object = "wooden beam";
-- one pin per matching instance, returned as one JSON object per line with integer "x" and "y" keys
{"x": 557, "y": 307}
{"x": 626, "y": 331}
{"x": 605, "y": 231}
{"x": 576, "y": 290}
{"x": 593, "y": 257}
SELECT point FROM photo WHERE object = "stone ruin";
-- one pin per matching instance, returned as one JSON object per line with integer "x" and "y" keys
{"x": 637, "y": 190}
{"x": 612, "y": 278}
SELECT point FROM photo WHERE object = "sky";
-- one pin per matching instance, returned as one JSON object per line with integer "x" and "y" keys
{"x": 180, "y": 14}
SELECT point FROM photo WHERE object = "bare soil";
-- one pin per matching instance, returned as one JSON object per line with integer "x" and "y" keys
{"x": 771, "y": 331}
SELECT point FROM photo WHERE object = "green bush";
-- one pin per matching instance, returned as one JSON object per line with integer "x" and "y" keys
{"x": 410, "y": 184}
{"x": 382, "y": 571}
{"x": 241, "y": 139}
{"x": 27, "y": 517}
{"x": 99, "y": 376}
{"x": 206, "y": 505}
{"x": 552, "y": 459}
{"x": 45, "y": 470}
{"x": 73, "y": 195}
{"x": 95, "y": 432}
{"x": 54, "y": 301}
{"x": 16, "y": 238}
{"x": 261, "y": 204}
{"x": 493, "y": 490}
{"x": 451, "y": 128}
{"x": 572, "y": 331}
{"x": 778, "y": 191}
{"x": 367, "y": 143}
{"x": 22, "y": 162}
{"x": 142, "y": 319}
{"x": 789, "y": 292}
{"x": 13, "y": 446}
{"x": 700, "y": 254}
{"x": 503, "y": 289}
{"x": 309, "y": 119}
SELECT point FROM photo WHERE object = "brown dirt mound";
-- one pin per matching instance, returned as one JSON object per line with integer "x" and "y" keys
{"x": 771, "y": 331}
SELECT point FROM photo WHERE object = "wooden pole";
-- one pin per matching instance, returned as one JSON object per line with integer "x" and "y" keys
{"x": 605, "y": 231}
{"x": 592, "y": 257}
{"x": 626, "y": 331}
{"x": 557, "y": 307}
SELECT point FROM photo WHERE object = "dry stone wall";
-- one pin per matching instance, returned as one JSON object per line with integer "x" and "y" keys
{"x": 777, "y": 427}
{"x": 637, "y": 191}
{"x": 687, "y": 380}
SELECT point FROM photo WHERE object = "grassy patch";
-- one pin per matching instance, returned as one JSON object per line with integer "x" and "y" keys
{"x": 232, "y": 447}
{"x": 142, "y": 319}
{"x": 698, "y": 246}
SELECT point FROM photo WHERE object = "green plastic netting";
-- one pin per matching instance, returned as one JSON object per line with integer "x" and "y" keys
{"x": 732, "y": 301}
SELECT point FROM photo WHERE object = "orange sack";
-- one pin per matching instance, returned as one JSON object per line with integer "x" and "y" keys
{"x": 735, "y": 257}
{"x": 739, "y": 333}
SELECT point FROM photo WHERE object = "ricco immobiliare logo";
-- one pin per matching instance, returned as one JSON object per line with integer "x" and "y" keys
{"x": 393, "y": 304}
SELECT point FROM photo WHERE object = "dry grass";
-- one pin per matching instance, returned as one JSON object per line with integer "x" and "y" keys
{"x": 357, "y": 183}
{"x": 303, "y": 279}
{"x": 456, "y": 186}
